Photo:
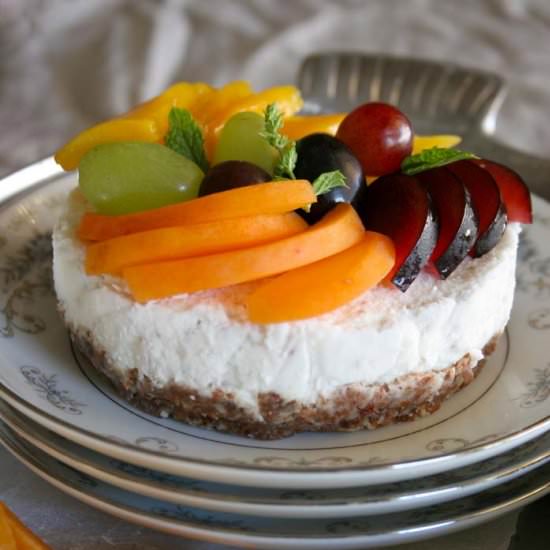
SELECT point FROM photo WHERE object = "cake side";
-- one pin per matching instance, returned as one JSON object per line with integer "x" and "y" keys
{"x": 348, "y": 408}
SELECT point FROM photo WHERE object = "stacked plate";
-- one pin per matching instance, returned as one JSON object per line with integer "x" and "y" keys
{"x": 484, "y": 453}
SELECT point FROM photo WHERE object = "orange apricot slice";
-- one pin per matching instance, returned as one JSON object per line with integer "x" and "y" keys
{"x": 296, "y": 127}
{"x": 274, "y": 197}
{"x": 338, "y": 230}
{"x": 169, "y": 243}
{"x": 111, "y": 131}
{"x": 325, "y": 285}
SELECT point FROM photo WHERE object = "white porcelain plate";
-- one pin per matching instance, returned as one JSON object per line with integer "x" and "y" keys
{"x": 290, "y": 503}
{"x": 41, "y": 377}
{"x": 234, "y": 529}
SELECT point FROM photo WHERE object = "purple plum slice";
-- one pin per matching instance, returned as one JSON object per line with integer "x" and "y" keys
{"x": 513, "y": 189}
{"x": 400, "y": 207}
{"x": 458, "y": 223}
{"x": 487, "y": 202}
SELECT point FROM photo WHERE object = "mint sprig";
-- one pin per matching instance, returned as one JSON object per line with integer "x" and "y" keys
{"x": 273, "y": 122}
{"x": 288, "y": 156}
{"x": 185, "y": 137}
{"x": 433, "y": 158}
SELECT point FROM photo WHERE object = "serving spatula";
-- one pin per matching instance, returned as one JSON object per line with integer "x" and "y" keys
{"x": 439, "y": 98}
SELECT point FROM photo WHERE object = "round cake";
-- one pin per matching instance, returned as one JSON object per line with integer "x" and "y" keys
{"x": 385, "y": 357}
{"x": 233, "y": 264}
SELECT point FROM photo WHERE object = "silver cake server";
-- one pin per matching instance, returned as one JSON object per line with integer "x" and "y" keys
{"x": 437, "y": 97}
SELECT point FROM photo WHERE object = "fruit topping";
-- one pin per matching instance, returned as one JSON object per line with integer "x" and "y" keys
{"x": 113, "y": 255}
{"x": 458, "y": 224}
{"x": 232, "y": 174}
{"x": 338, "y": 230}
{"x": 120, "y": 178}
{"x": 379, "y": 135}
{"x": 320, "y": 153}
{"x": 241, "y": 139}
{"x": 324, "y": 285}
{"x": 142, "y": 173}
{"x": 487, "y": 203}
{"x": 211, "y": 109}
{"x": 275, "y": 197}
{"x": 400, "y": 207}
{"x": 513, "y": 190}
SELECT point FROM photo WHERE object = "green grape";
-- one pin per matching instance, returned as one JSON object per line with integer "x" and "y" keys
{"x": 240, "y": 139}
{"x": 119, "y": 178}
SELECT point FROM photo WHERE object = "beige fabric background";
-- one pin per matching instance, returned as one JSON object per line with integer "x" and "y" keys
{"x": 67, "y": 63}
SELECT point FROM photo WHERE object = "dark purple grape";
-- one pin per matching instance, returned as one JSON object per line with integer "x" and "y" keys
{"x": 319, "y": 153}
{"x": 231, "y": 174}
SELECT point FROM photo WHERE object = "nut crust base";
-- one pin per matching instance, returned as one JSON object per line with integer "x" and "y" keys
{"x": 349, "y": 408}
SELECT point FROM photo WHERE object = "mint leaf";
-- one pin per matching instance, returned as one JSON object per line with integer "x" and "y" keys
{"x": 328, "y": 181}
{"x": 273, "y": 122}
{"x": 325, "y": 183}
{"x": 432, "y": 158}
{"x": 185, "y": 137}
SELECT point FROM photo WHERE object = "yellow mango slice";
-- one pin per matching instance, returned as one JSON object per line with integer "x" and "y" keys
{"x": 287, "y": 98}
{"x": 296, "y": 127}
{"x": 427, "y": 142}
{"x": 211, "y": 107}
{"x": 107, "y": 132}
{"x": 183, "y": 94}
{"x": 147, "y": 122}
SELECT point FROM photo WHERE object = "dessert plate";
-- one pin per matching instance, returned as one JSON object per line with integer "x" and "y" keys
{"x": 381, "y": 499}
{"x": 508, "y": 404}
{"x": 234, "y": 529}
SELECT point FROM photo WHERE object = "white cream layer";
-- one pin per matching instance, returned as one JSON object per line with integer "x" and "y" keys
{"x": 204, "y": 341}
